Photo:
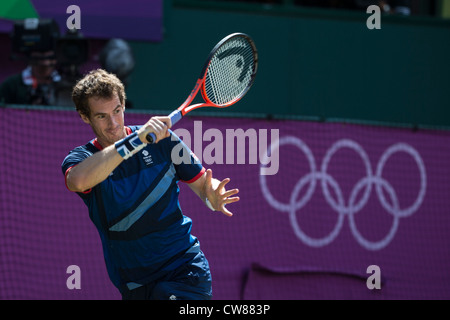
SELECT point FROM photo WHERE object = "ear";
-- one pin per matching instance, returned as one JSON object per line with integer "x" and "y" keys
{"x": 85, "y": 119}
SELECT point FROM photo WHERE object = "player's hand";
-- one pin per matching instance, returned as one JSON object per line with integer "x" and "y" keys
{"x": 217, "y": 194}
{"x": 157, "y": 125}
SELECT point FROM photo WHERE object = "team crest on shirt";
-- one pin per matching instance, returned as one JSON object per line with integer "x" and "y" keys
{"x": 147, "y": 157}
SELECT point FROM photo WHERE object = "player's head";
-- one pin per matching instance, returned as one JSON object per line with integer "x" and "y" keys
{"x": 96, "y": 84}
{"x": 100, "y": 100}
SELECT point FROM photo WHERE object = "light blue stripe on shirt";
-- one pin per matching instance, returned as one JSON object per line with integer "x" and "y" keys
{"x": 151, "y": 199}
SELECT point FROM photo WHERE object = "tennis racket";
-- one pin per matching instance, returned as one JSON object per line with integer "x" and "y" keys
{"x": 227, "y": 75}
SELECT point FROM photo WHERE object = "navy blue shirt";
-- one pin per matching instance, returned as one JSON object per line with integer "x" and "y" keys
{"x": 137, "y": 213}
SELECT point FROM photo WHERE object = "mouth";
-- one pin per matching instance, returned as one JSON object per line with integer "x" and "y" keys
{"x": 113, "y": 132}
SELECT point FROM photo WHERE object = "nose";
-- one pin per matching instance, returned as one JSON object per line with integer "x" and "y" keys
{"x": 112, "y": 122}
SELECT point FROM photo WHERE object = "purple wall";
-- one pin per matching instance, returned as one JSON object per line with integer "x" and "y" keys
{"x": 345, "y": 197}
{"x": 130, "y": 20}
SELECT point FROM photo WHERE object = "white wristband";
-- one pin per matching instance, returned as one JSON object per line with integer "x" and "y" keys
{"x": 208, "y": 204}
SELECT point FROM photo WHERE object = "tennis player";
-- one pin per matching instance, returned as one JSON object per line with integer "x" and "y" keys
{"x": 131, "y": 190}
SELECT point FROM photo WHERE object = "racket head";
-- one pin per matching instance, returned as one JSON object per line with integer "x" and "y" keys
{"x": 230, "y": 70}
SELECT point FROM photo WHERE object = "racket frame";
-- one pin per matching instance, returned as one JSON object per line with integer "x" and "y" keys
{"x": 184, "y": 108}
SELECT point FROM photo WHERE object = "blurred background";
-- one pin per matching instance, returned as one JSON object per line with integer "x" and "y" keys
{"x": 323, "y": 77}
{"x": 396, "y": 74}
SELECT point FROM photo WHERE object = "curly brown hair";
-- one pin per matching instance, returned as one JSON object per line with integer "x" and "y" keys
{"x": 99, "y": 84}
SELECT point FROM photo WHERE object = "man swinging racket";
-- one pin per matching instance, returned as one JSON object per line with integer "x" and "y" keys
{"x": 148, "y": 247}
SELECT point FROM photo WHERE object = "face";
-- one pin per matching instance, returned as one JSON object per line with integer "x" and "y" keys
{"x": 106, "y": 119}
{"x": 43, "y": 64}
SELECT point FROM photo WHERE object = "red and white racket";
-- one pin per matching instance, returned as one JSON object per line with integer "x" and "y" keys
{"x": 227, "y": 75}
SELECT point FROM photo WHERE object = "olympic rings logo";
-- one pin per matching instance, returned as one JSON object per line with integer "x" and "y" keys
{"x": 352, "y": 206}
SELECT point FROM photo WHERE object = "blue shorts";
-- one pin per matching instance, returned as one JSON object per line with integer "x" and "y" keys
{"x": 191, "y": 281}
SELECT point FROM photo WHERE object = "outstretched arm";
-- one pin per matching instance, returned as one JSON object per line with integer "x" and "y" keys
{"x": 207, "y": 187}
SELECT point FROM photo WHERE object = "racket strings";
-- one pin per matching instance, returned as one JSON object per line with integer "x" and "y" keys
{"x": 230, "y": 72}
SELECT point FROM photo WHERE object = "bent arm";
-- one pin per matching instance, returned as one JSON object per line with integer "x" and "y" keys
{"x": 96, "y": 168}
{"x": 93, "y": 170}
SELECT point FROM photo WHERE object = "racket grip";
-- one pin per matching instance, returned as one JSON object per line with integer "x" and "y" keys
{"x": 175, "y": 116}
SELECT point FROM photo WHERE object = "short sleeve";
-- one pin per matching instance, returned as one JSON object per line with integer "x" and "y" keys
{"x": 74, "y": 157}
{"x": 187, "y": 165}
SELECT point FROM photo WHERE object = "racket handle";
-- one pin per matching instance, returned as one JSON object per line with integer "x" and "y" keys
{"x": 175, "y": 116}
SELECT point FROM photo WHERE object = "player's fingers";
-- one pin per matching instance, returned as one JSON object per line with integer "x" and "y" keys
{"x": 152, "y": 126}
{"x": 226, "y": 201}
{"x": 230, "y": 193}
{"x": 208, "y": 181}
{"x": 165, "y": 123}
{"x": 231, "y": 200}
{"x": 166, "y": 120}
{"x": 226, "y": 211}
{"x": 223, "y": 183}
{"x": 158, "y": 124}
{"x": 160, "y": 129}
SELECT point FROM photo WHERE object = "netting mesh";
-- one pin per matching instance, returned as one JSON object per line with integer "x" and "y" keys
{"x": 309, "y": 230}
